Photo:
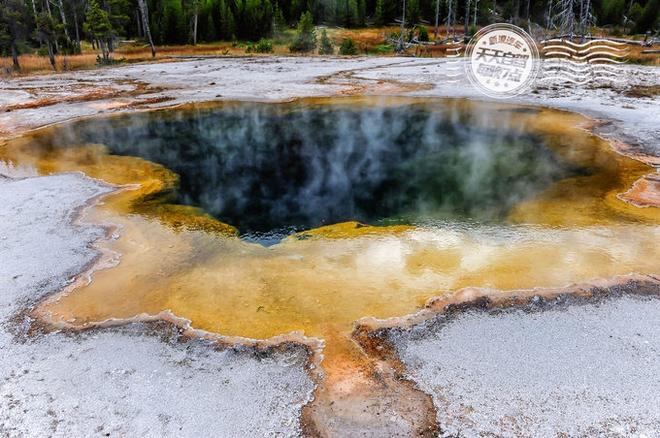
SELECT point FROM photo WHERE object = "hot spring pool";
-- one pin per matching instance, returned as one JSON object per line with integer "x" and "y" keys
{"x": 259, "y": 219}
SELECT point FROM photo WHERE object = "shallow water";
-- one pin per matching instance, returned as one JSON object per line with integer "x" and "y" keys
{"x": 465, "y": 193}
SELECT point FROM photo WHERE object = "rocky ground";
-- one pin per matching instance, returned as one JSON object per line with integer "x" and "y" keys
{"x": 563, "y": 369}
{"x": 29, "y": 102}
{"x": 585, "y": 369}
{"x": 139, "y": 380}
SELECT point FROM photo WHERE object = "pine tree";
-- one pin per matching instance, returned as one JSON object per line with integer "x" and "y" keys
{"x": 413, "y": 13}
{"x": 379, "y": 13}
{"x": 98, "y": 26}
{"x": 650, "y": 17}
{"x": 362, "y": 13}
{"x": 279, "y": 24}
{"x": 325, "y": 45}
{"x": 305, "y": 35}
{"x": 227, "y": 24}
{"x": 47, "y": 31}
{"x": 13, "y": 15}
{"x": 348, "y": 47}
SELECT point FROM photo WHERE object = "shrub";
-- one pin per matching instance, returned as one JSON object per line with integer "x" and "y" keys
{"x": 383, "y": 48}
{"x": 263, "y": 46}
{"x": 325, "y": 45}
{"x": 305, "y": 35}
{"x": 422, "y": 33}
{"x": 348, "y": 47}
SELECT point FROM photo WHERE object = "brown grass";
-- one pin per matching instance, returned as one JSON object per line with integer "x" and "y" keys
{"x": 369, "y": 40}
{"x": 637, "y": 57}
{"x": 40, "y": 64}
{"x": 643, "y": 91}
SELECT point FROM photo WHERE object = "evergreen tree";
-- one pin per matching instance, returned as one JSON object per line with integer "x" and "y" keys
{"x": 379, "y": 13}
{"x": 227, "y": 29}
{"x": 650, "y": 17}
{"x": 279, "y": 23}
{"x": 13, "y": 16}
{"x": 98, "y": 26}
{"x": 413, "y": 13}
{"x": 47, "y": 31}
{"x": 305, "y": 35}
{"x": 325, "y": 45}
{"x": 348, "y": 47}
{"x": 362, "y": 13}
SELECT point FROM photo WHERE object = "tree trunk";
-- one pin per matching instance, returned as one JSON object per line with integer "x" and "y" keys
{"x": 450, "y": 18}
{"x": 437, "y": 14}
{"x": 50, "y": 15}
{"x": 527, "y": 11}
{"x": 138, "y": 22}
{"x": 476, "y": 10}
{"x": 51, "y": 54}
{"x": 75, "y": 22}
{"x": 144, "y": 11}
{"x": 60, "y": 6}
{"x": 14, "y": 55}
{"x": 104, "y": 51}
{"x": 195, "y": 18}
{"x": 467, "y": 17}
{"x": 516, "y": 11}
{"x": 403, "y": 25}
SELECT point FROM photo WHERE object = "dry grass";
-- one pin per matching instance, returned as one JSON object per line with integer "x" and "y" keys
{"x": 637, "y": 56}
{"x": 369, "y": 40}
{"x": 40, "y": 64}
{"x": 644, "y": 91}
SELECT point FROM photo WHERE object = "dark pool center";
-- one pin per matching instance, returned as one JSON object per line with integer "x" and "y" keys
{"x": 273, "y": 169}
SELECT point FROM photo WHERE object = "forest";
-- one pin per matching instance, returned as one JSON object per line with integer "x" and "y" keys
{"x": 50, "y": 27}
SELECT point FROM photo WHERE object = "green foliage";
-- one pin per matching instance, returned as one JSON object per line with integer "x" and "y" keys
{"x": 413, "y": 13}
{"x": 98, "y": 26}
{"x": 382, "y": 49}
{"x": 97, "y": 22}
{"x": 347, "y": 13}
{"x": 305, "y": 35}
{"x": 635, "y": 12}
{"x": 119, "y": 14}
{"x": 348, "y": 47}
{"x": 422, "y": 33}
{"x": 254, "y": 19}
{"x": 612, "y": 11}
{"x": 47, "y": 28}
{"x": 379, "y": 13}
{"x": 168, "y": 22}
{"x": 325, "y": 45}
{"x": 279, "y": 23}
{"x": 650, "y": 17}
{"x": 171, "y": 21}
{"x": 263, "y": 46}
{"x": 227, "y": 28}
{"x": 13, "y": 16}
{"x": 101, "y": 61}
{"x": 362, "y": 13}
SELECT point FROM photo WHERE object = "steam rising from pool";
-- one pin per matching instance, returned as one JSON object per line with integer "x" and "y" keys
{"x": 271, "y": 170}
{"x": 548, "y": 190}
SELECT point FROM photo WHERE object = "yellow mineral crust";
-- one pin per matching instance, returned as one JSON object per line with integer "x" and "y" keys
{"x": 172, "y": 257}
